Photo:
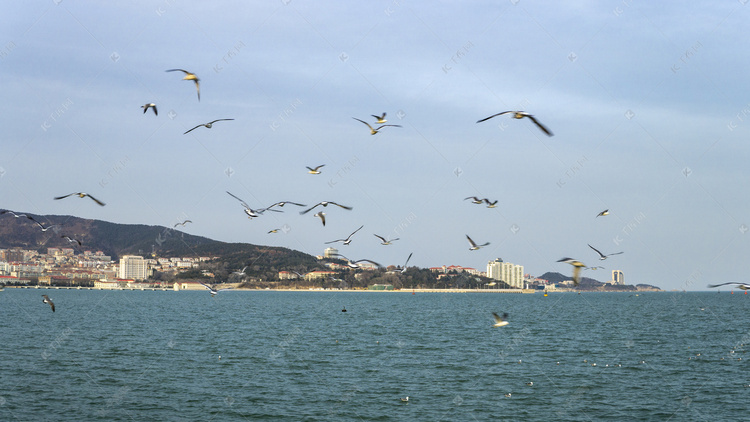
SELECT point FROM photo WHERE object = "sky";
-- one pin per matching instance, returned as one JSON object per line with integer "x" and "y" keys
{"x": 649, "y": 105}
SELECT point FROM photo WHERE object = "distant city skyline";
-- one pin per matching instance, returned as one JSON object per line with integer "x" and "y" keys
{"x": 646, "y": 102}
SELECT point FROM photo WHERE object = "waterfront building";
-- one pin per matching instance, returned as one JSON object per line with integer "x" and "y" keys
{"x": 134, "y": 267}
{"x": 331, "y": 253}
{"x": 618, "y": 278}
{"x": 505, "y": 271}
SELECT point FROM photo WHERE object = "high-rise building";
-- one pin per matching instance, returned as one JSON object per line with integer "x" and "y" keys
{"x": 330, "y": 252}
{"x": 133, "y": 267}
{"x": 505, "y": 271}
{"x": 617, "y": 277}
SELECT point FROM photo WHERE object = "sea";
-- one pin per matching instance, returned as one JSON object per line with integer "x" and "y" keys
{"x": 296, "y": 356}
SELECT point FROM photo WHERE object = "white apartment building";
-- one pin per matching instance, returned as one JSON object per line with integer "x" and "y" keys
{"x": 507, "y": 272}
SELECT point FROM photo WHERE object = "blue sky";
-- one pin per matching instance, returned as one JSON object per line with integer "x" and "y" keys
{"x": 648, "y": 104}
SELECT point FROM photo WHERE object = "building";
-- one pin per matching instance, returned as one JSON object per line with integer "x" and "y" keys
{"x": 134, "y": 267}
{"x": 331, "y": 253}
{"x": 618, "y": 278}
{"x": 505, "y": 271}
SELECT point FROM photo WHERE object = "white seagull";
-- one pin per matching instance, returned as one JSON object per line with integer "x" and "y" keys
{"x": 348, "y": 240}
{"x": 322, "y": 217}
{"x": 282, "y": 203}
{"x": 520, "y": 115}
{"x": 380, "y": 119}
{"x": 212, "y": 289}
{"x": 374, "y": 131}
{"x": 80, "y": 195}
{"x": 71, "y": 240}
{"x": 577, "y": 266}
{"x": 602, "y": 214}
{"x": 403, "y": 270}
{"x": 354, "y": 264}
{"x": 315, "y": 170}
{"x": 500, "y": 320}
{"x": 207, "y": 125}
{"x": 474, "y": 199}
{"x": 149, "y": 105}
{"x": 383, "y": 241}
{"x": 48, "y": 301}
{"x": 183, "y": 223}
{"x": 602, "y": 257}
{"x": 251, "y": 213}
{"x": 474, "y": 246}
{"x": 190, "y": 77}
{"x": 490, "y": 204}
{"x": 741, "y": 286}
{"x": 325, "y": 204}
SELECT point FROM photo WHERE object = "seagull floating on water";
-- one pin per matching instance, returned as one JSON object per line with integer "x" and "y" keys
{"x": 81, "y": 195}
{"x": 577, "y": 266}
{"x": 474, "y": 246}
{"x": 520, "y": 115}
{"x": 149, "y": 105}
{"x": 405, "y": 399}
{"x": 325, "y": 204}
{"x": 207, "y": 125}
{"x": 374, "y": 131}
{"x": 190, "y": 77}
{"x": 348, "y": 240}
{"x": 500, "y": 321}
{"x": 602, "y": 257}
{"x": 48, "y": 301}
{"x": 741, "y": 286}
{"x": 315, "y": 170}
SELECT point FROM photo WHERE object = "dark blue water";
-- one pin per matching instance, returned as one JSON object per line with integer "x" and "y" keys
{"x": 132, "y": 355}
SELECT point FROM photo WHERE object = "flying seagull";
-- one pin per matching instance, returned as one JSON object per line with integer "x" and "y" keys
{"x": 355, "y": 264}
{"x": 474, "y": 246}
{"x": 742, "y": 286}
{"x": 282, "y": 203}
{"x": 315, "y": 170}
{"x": 183, "y": 223}
{"x": 520, "y": 115}
{"x": 71, "y": 240}
{"x": 48, "y": 301}
{"x": 490, "y": 204}
{"x": 212, "y": 289}
{"x": 474, "y": 199}
{"x": 325, "y": 204}
{"x": 383, "y": 241}
{"x": 577, "y": 266}
{"x": 149, "y": 105}
{"x": 403, "y": 270}
{"x": 14, "y": 214}
{"x": 190, "y": 77}
{"x": 602, "y": 257}
{"x": 322, "y": 217}
{"x": 348, "y": 240}
{"x": 273, "y": 231}
{"x": 81, "y": 195}
{"x": 374, "y": 131}
{"x": 603, "y": 213}
{"x": 241, "y": 272}
{"x": 251, "y": 213}
{"x": 41, "y": 226}
{"x": 207, "y": 125}
{"x": 500, "y": 320}
{"x": 380, "y": 119}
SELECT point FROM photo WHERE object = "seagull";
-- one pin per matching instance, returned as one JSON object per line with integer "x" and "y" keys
{"x": 71, "y": 240}
{"x": 474, "y": 199}
{"x": 15, "y": 215}
{"x": 374, "y": 131}
{"x": 282, "y": 203}
{"x": 251, "y": 213}
{"x": 48, "y": 301}
{"x": 81, "y": 195}
{"x": 577, "y": 265}
{"x": 241, "y": 272}
{"x": 315, "y": 170}
{"x": 603, "y": 213}
{"x": 149, "y": 105}
{"x": 403, "y": 270}
{"x": 742, "y": 286}
{"x": 530, "y": 383}
{"x": 508, "y": 395}
{"x": 322, "y": 217}
{"x": 273, "y": 231}
{"x": 380, "y": 119}
{"x": 353, "y": 264}
{"x": 474, "y": 246}
{"x": 41, "y": 226}
{"x": 404, "y": 399}
{"x": 500, "y": 321}
{"x": 344, "y": 310}
{"x": 325, "y": 204}
{"x": 183, "y": 223}
{"x": 212, "y": 289}
{"x": 348, "y": 240}
{"x": 190, "y": 77}
{"x": 602, "y": 257}
{"x": 207, "y": 125}
{"x": 520, "y": 115}
{"x": 490, "y": 204}
{"x": 385, "y": 242}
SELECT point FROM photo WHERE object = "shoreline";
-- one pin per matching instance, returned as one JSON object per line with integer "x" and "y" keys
{"x": 312, "y": 289}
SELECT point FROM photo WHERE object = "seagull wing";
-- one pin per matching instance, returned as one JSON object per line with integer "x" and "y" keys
{"x": 310, "y": 209}
{"x": 155, "y": 111}
{"x": 241, "y": 201}
{"x": 494, "y": 115}
{"x": 342, "y": 206}
{"x": 368, "y": 125}
{"x": 380, "y": 237}
{"x": 193, "y": 129}
{"x": 601, "y": 255}
{"x": 499, "y": 318}
{"x": 407, "y": 259}
{"x": 178, "y": 70}
{"x": 576, "y": 274}
{"x": 473, "y": 245}
{"x": 218, "y": 120}
{"x": 96, "y": 200}
{"x": 63, "y": 197}
{"x": 539, "y": 125}
{"x": 198, "y": 88}
{"x": 355, "y": 231}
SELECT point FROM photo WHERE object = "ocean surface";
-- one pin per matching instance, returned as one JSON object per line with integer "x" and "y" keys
{"x": 295, "y": 356}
